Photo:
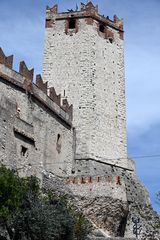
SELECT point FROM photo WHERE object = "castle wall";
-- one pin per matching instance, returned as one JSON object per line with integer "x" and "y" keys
{"x": 89, "y": 70}
{"x": 37, "y": 136}
{"x": 33, "y": 137}
{"x": 97, "y": 186}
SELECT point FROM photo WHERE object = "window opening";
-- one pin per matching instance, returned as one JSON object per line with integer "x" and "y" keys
{"x": 24, "y": 151}
{"x": 111, "y": 40}
{"x": 58, "y": 137}
{"x": 72, "y": 23}
{"x": 102, "y": 28}
{"x": 58, "y": 144}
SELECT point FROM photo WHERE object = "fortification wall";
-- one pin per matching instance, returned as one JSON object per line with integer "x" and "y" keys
{"x": 36, "y": 132}
{"x": 116, "y": 203}
{"x": 86, "y": 66}
{"x": 97, "y": 186}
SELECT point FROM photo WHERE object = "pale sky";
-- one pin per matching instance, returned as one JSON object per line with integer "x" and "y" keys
{"x": 22, "y": 34}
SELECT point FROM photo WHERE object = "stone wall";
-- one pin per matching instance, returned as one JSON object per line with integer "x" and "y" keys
{"x": 102, "y": 210}
{"x": 36, "y": 133}
{"x": 111, "y": 208}
{"x": 86, "y": 66}
{"x": 86, "y": 161}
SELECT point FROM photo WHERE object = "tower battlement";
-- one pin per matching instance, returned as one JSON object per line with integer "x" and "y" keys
{"x": 6, "y": 60}
{"x": 89, "y": 12}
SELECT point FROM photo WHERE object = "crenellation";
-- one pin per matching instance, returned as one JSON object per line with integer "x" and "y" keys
{"x": 7, "y": 61}
{"x": 89, "y": 7}
{"x": 53, "y": 9}
{"x": 89, "y": 12}
{"x": 41, "y": 84}
{"x": 24, "y": 71}
{"x": 79, "y": 150}
{"x": 56, "y": 98}
{"x": 24, "y": 81}
{"x": 34, "y": 122}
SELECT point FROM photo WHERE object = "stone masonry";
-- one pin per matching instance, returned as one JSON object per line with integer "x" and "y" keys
{"x": 85, "y": 64}
{"x": 79, "y": 151}
{"x": 84, "y": 60}
{"x": 36, "y": 131}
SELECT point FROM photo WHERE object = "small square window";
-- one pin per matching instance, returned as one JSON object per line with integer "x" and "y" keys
{"x": 72, "y": 23}
{"x": 102, "y": 28}
{"x": 24, "y": 151}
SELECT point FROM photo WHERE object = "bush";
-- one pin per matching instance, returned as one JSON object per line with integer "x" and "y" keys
{"x": 28, "y": 214}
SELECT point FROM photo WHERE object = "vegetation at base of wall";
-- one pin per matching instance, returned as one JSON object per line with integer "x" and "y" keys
{"x": 26, "y": 213}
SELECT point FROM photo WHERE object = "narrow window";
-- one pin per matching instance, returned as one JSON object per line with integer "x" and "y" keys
{"x": 58, "y": 143}
{"x": 24, "y": 151}
{"x": 102, "y": 28}
{"x": 111, "y": 40}
{"x": 72, "y": 23}
{"x": 58, "y": 137}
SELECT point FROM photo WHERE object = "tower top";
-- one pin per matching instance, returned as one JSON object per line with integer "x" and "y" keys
{"x": 88, "y": 11}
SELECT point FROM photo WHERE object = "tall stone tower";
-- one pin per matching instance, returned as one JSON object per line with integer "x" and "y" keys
{"x": 84, "y": 60}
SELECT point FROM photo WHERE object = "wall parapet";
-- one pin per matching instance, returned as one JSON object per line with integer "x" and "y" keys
{"x": 87, "y": 11}
{"x": 97, "y": 186}
{"x": 93, "y": 179}
{"x": 24, "y": 80}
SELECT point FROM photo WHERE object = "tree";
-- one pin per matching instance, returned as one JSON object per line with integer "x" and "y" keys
{"x": 28, "y": 214}
{"x": 13, "y": 190}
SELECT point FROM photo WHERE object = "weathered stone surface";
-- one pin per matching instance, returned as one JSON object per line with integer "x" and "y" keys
{"x": 149, "y": 222}
{"x": 111, "y": 214}
{"x": 86, "y": 160}
{"x": 30, "y": 128}
{"x": 103, "y": 212}
{"x": 89, "y": 70}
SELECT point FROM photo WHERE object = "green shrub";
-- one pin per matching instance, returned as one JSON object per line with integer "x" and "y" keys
{"x": 28, "y": 214}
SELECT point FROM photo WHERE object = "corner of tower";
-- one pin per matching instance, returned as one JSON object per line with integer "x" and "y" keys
{"x": 88, "y": 13}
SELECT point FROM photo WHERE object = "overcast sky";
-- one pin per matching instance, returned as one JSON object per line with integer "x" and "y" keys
{"x": 22, "y": 34}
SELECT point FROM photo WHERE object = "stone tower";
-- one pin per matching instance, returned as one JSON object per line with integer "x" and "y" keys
{"x": 84, "y": 60}
{"x": 84, "y": 159}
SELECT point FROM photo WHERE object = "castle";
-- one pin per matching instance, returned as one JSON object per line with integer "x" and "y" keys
{"x": 75, "y": 141}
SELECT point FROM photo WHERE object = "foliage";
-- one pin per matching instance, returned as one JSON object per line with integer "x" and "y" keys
{"x": 10, "y": 192}
{"x": 37, "y": 220}
{"x": 80, "y": 226}
{"x": 28, "y": 214}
